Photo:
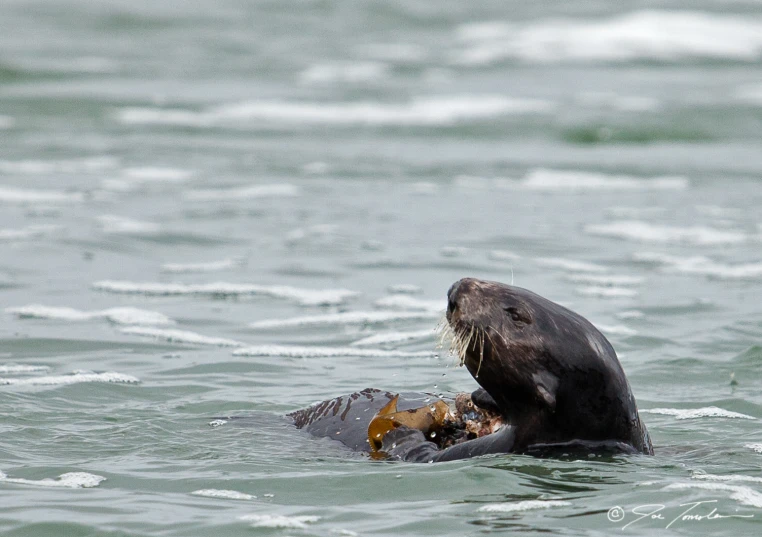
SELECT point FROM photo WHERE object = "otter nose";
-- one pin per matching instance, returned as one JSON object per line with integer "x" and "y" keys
{"x": 457, "y": 291}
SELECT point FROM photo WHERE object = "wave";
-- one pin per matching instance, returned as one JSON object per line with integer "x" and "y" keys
{"x": 404, "y": 302}
{"x": 733, "y": 477}
{"x": 226, "y": 494}
{"x": 307, "y": 297}
{"x": 743, "y": 495}
{"x": 28, "y": 195}
{"x": 702, "y": 266}
{"x": 346, "y": 318}
{"x": 73, "y": 378}
{"x": 427, "y": 111}
{"x": 616, "y": 330}
{"x": 13, "y": 369}
{"x": 180, "y": 336}
{"x": 279, "y": 521}
{"x": 390, "y": 338}
{"x": 693, "y": 413}
{"x": 404, "y": 289}
{"x": 666, "y": 36}
{"x": 640, "y": 231}
{"x": 344, "y": 72}
{"x": 27, "y": 233}
{"x": 570, "y": 265}
{"x": 606, "y": 292}
{"x": 69, "y": 480}
{"x": 246, "y": 192}
{"x": 293, "y": 351}
{"x": 64, "y": 166}
{"x": 750, "y": 94}
{"x": 565, "y": 180}
{"x": 138, "y": 177}
{"x": 114, "y": 315}
{"x": 120, "y": 225}
{"x": 605, "y": 279}
{"x": 526, "y": 505}
{"x": 208, "y": 266}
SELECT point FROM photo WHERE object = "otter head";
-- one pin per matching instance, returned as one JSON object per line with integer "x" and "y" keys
{"x": 538, "y": 360}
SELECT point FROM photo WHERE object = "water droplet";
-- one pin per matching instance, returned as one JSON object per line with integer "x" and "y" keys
{"x": 378, "y": 435}
{"x": 435, "y": 386}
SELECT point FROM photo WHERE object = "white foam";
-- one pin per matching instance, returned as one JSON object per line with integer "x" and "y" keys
{"x": 136, "y": 177}
{"x": 244, "y": 193}
{"x": 344, "y": 72}
{"x": 157, "y": 173}
{"x": 403, "y": 302}
{"x": 570, "y": 265}
{"x": 180, "y": 336}
{"x": 390, "y": 338}
{"x": 279, "y": 521}
{"x": 431, "y": 111}
{"x": 120, "y": 225}
{"x": 13, "y": 369}
{"x": 606, "y": 292}
{"x": 226, "y": 494}
{"x": 702, "y": 266}
{"x": 526, "y": 505}
{"x": 750, "y": 93}
{"x": 325, "y": 352}
{"x": 605, "y": 279}
{"x": 631, "y": 314}
{"x": 27, "y": 195}
{"x": 69, "y": 480}
{"x": 618, "y": 329}
{"x": 755, "y": 447}
{"x": 307, "y": 297}
{"x": 208, "y": 266}
{"x": 649, "y": 35}
{"x": 640, "y": 231}
{"x": 27, "y": 233}
{"x": 346, "y": 318}
{"x": 502, "y": 255}
{"x": 404, "y": 289}
{"x": 693, "y": 413}
{"x": 732, "y": 477}
{"x": 741, "y": 494}
{"x": 73, "y": 378}
{"x": 114, "y": 315}
{"x": 561, "y": 180}
{"x": 66, "y": 166}
{"x": 324, "y": 231}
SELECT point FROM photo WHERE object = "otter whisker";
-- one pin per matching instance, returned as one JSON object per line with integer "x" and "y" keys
{"x": 481, "y": 354}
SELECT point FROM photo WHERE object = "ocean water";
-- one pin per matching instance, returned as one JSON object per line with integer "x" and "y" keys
{"x": 240, "y": 208}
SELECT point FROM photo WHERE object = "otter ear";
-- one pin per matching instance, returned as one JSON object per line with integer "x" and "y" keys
{"x": 547, "y": 383}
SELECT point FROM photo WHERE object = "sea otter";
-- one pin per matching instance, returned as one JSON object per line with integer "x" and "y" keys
{"x": 549, "y": 381}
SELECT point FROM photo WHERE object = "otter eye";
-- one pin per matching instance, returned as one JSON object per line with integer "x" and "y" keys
{"x": 517, "y": 316}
